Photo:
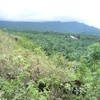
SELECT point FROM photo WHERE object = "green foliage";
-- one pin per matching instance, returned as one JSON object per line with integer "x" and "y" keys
{"x": 94, "y": 52}
{"x": 49, "y": 66}
{"x": 56, "y": 42}
{"x": 23, "y": 67}
{"x": 0, "y": 30}
{"x": 89, "y": 71}
{"x": 94, "y": 56}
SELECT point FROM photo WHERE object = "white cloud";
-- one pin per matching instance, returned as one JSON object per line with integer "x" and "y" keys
{"x": 86, "y": 11}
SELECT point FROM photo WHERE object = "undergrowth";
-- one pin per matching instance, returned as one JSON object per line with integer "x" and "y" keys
{"x": 27, "y": 73}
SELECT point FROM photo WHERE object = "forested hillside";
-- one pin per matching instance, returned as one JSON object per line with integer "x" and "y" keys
{"x": 47, "y": 65}
{"x": 57, "y": 26}
{"x": 57, "y": 42}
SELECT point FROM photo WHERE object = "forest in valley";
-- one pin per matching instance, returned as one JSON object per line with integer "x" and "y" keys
{"x": 48, "y": 65}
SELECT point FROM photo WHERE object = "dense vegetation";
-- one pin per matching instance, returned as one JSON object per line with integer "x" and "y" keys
{"x": 60, "y": 43}
{"x": 36, "y": 65}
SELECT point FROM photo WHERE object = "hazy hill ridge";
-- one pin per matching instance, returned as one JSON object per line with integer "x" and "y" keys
{"x": 72, "y": 27}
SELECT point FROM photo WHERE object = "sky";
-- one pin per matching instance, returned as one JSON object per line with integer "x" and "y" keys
{"x": 84, "y": 11}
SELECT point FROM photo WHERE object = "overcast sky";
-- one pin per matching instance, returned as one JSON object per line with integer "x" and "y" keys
{"x": 86, "y": 11}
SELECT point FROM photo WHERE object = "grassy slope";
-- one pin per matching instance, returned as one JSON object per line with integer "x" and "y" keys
{"x": 22, "y": 66}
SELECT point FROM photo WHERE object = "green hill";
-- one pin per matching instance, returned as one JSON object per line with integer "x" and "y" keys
{"x": 57, "y": 26}
{"x": 28, "y": 73}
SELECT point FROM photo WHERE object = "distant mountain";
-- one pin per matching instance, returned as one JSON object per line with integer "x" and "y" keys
{"x": 72, "y": 27}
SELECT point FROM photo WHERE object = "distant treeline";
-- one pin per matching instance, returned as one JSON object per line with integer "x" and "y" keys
{"x": 71, "y": 27}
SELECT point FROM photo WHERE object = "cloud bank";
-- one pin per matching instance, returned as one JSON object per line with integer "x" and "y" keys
{"x": 86, "y": 11}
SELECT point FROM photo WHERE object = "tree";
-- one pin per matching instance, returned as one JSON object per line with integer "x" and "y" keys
{"x": 94, "y": 55}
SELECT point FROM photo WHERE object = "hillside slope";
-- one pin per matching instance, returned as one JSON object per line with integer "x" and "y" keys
{"x": 25, "y": 70}
{"x": 26, "y": 73}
